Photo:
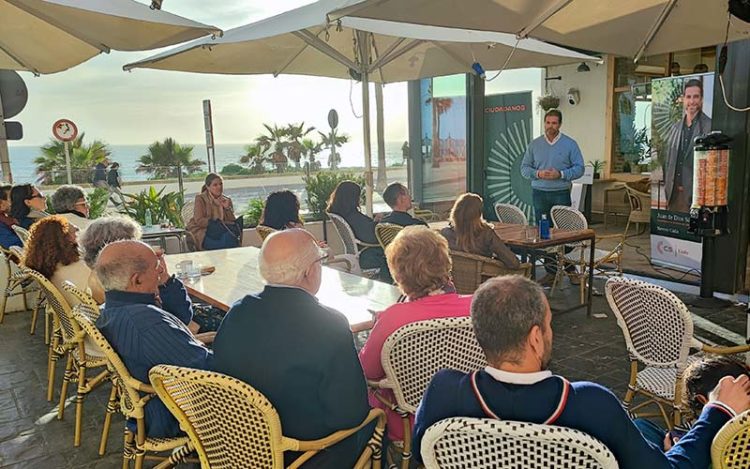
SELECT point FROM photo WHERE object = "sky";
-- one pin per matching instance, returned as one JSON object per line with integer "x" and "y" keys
{"x": 143, "y": 106}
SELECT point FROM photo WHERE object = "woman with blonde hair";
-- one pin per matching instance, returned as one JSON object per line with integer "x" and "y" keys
{"x": 214, "y": 225}
{"x": 469, "y": 232}
{"x": 420, "y": 263}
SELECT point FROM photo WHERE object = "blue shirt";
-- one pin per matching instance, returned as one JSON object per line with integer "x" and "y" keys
{"x": 563, "y": 155}
{"x": 586, "y": 406}
{"x": 175, "y": 299}
{"x": 144, "y": 335}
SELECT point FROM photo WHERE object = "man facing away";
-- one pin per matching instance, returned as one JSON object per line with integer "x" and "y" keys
{"x": 397, "y": 196}
{"x": 678, "y": 171}
{"x": 513, "y": 325}
{"x": 297, "y": 352}
{"x": 143, "y": 334}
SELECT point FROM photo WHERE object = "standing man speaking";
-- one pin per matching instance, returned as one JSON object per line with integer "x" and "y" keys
{"x": 552, "y": 161}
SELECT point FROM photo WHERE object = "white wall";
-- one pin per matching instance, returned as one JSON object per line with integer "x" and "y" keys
{"x": 585, "y": 122}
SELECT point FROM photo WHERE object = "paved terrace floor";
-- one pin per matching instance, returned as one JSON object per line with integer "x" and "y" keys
{"x": 31, "y": 437}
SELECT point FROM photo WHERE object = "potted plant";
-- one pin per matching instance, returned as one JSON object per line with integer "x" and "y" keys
{"x": 598, "y": 166}
{"x": 548, "y": 102}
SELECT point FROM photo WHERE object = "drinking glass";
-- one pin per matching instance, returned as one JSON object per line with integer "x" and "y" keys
{"x": 532, "y": 233}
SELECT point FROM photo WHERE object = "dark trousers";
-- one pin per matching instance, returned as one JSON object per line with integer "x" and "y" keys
{"x": 543, "y": 202}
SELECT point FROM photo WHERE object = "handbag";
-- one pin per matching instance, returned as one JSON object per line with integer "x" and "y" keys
{"x": 221, "y": 235}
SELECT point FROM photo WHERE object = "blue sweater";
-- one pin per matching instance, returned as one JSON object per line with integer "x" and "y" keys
{"x": 144, "y": 335}
{"x": 589, "y": 408}
{"x": 564, "y": 156}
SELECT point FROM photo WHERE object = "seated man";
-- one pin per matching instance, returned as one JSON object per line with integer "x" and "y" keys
{"x": 397, "y": 196}
{"x": 296, "y": 352}
{"x": 143, "y": 334}
{"x": 702, "y": 376}
{"x": 513, "y": 324}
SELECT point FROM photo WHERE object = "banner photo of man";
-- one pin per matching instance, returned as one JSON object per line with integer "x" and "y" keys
{"x": 681, "y": 112}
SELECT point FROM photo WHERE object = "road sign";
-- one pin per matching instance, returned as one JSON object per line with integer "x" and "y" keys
{"x": 333, "y": 118}
{"x": 13, "y": 93}
{"x": 64, "y": 130}
{"x": 13, "y": 130}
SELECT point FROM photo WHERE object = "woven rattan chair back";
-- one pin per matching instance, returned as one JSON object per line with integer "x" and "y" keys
{"x": 230, "y": 423}
{"x": 471, "y": 270}
{"x": 263, "y": 231}
{"x": 60, "y": 307}
{"x": 80, "y": 296}
{"x": 567, "y": 218}
{"x": 657, "y": 326}
{"x": 187, "y": 212}
{"x": 731, "y": 446}
{"x": 85, "y": 316}
{"x": 508, "y": 213}
{"x": 22, "y": 233}
{"x": 484, "y": 443}
{"x": 415, "y": 352}
{"x": 386, "y": 232}
{"x": 346, "y": 234}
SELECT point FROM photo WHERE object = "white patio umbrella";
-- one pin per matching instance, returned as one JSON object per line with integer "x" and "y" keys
{"x": 48, "y": 36}
{"x": 302, "y": 42}
{"x": 630, "y": 28}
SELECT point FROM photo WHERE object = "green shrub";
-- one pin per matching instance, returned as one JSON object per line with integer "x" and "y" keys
{"x": 163, "y": 206}
{"x": 253, "y": 212}
{"x": 98, "y": 199}
{"x": 231, "y": 169}
{"x": 319, "y": 187}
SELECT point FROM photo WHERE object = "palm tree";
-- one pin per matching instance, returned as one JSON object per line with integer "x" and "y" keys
{"x": 276, "y": 142}
{"x": 311, "y": 149}
{"x": 439, "y": 106}
{"x": 294, "y": 135}
{"x": 163, "y": 157}
{"x": 50, "y": 164}
{"x": 332, "y": 141}
{"x": 255, "y": 158}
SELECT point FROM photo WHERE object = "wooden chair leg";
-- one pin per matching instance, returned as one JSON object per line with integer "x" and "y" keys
{"x": 80, "y": 395}
{"x": 67, "y": 377}
{"x": 111, "y": 409}
{"x": 34, "y": 317}
{"x": 128, "y": 449}
{"x": 51, "y": 365}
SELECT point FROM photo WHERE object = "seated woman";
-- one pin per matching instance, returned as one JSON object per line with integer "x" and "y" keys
{"x": 211, "y": 204}
{"x": 70, "y": 202}
{"x": 8, "y": 237}
{"x": 281, "y": 211}
{"x": 172, "y": 293}
{"x": 469, "y": 232}
{"x": 420, "y": 263}
{"x": 344, "y": 201}
{"x": 52, "y": 250}
{"x": 27, "y": 205}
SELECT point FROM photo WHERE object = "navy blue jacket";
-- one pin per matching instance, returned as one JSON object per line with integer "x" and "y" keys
{"x": 144, "y": 335}
{"x": 8, "y": 237}
{"x": 588, "y": 407}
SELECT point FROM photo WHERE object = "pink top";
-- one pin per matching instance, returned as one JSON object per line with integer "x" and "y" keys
{"x": 447, "y": 305}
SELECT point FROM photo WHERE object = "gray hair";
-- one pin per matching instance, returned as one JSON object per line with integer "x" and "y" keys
{"x": 65, "y": 197}
{"x": 503, "y": 311}
{"x": 292, "y": 270}
{"x": 103, "y": 231}
{"x": 115, "y": 274}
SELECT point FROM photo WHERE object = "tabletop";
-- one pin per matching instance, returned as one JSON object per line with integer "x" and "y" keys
{"x": 515, "y": 235}
{"x": 154, "y": 231}
{"x": 236, "y": 275}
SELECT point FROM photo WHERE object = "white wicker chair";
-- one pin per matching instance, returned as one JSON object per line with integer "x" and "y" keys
{"x": 731, "y": 446}
{"x": 658, "y": 332}
{"x": 18, "y": 284}
{"x": 414, "y": 353}
{"x": 511, "y": 214}
{"x": 461, "y": 442}
{"x": 352, "y": 245}
{"x": 567, "y": 218}
{"x": 22, "y": 233}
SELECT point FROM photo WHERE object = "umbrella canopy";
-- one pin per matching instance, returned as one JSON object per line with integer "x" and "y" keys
{"x": 48, "y": 36}
{"x": 631, "y": 28}
{"x": 303, "y": 42}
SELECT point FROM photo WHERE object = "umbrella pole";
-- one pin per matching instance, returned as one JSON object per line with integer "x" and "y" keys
{"x": 364, "y": 45}
{"x": 4, "y": 155}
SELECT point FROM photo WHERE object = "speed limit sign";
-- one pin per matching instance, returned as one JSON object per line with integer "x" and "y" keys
{"x": 64, "y": 130}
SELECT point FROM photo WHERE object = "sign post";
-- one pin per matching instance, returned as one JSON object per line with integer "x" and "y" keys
{"x": 209, "y": 126}
{"x": 65, "y": 131}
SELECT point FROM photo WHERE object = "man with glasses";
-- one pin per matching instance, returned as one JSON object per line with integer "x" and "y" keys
{"x": 297, "y": 352}
{"x": 70, "y": 202}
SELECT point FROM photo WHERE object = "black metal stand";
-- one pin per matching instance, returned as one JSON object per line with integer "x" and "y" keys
{"x": 707, "y": 269}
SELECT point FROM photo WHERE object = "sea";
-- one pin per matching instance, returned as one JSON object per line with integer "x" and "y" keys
{"x": 352, "y": 155}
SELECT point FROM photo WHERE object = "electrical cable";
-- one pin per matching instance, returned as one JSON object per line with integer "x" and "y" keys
{"x": 722, "y": 66}
{"x": 351, "y": 101}
{"x": 512, "y": 51}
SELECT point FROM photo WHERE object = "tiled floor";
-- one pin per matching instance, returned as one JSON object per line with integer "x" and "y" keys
{"x": 32, "y": 437}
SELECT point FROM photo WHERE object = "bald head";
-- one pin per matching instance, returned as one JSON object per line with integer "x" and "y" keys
{"x": 290, "y": 257}
{"x": 128, "y": 266}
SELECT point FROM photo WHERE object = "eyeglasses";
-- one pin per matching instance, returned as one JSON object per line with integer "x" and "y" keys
{"x": 37, "y": 196}
{"x": 81, "y": 204}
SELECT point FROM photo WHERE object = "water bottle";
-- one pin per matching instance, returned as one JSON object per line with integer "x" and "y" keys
{"x": 149, "y": 220}
{"x": 544, "y": 227}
